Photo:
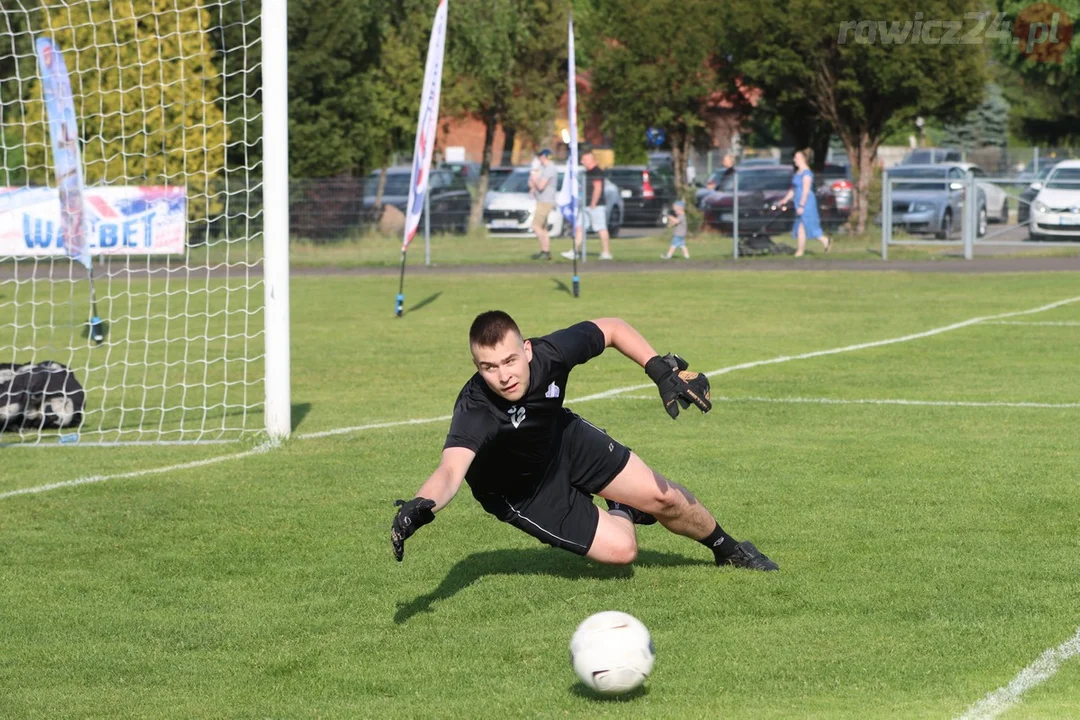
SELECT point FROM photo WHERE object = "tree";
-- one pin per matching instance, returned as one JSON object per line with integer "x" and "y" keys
{"x": 332, "y": 103}
{"x": 985, "y": 126}
{"x": 146, "y": 93}
{"x": 1040, "y": 48}
{"x": 654, "y": 65}
{"x": 857, "y": 75}
{"x": 505, "y": 60}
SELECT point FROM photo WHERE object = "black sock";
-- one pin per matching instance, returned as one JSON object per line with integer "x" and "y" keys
{"x": 719, "y": 542}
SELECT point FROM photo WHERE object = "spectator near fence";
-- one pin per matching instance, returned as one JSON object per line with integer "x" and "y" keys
{"x": 542, "y": 185}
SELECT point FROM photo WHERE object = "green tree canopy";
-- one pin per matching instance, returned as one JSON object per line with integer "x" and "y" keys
{"x": 147, "y": 94}
{"x": 655, "y": 64}
{"x": 857, "y": 75}
{"x": 505, "y": 60}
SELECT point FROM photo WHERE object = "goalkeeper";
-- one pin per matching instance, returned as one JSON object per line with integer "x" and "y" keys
{"x": 534, "y": 464}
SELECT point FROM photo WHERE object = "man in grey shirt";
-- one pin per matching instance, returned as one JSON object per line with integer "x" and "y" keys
{"x": 543, "y": 186}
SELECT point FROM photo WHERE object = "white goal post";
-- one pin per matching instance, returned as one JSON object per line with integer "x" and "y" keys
{"x": 179, "y": 330}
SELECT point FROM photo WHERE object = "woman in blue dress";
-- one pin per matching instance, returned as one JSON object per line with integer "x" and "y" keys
{"x": 807, "y": 219}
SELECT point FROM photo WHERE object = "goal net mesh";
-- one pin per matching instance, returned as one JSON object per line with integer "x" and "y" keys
{"x": 167, "y": 102}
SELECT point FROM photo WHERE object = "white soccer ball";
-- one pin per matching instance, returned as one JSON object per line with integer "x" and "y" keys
{"x": 612, "y": 652}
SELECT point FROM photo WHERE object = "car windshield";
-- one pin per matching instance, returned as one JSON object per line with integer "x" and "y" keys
{"x": 396, "y": 184}
{"x": 779, "y": 179}
{"x": 497, "y": 180}
{"x": 1064, "y": 179}
{"x": 920, "y": 174}
{"x": 516, "y": 182}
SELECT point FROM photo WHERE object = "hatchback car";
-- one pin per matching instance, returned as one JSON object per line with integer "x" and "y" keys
{"x": 647, "y": 193}
{"x": 1055, "y": 212}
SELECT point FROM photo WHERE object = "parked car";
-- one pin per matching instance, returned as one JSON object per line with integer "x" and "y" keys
{"x": 511, "y": 209}
{"x": 496, "y": 177}
{"x": 647, "y": 193}
{"x": 1055, "y": 213}
{"x": 932, "y": 156}
{"x": 760, "y": 188}
{"x": 450, "y": 199}
{"x": 935, "y": 208}
{"x": 1023, "y": 204}
{"x": 469, "y": 171}
{"x": 997, "y": 200}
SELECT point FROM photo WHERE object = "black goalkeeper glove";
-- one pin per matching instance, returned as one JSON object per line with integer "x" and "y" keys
{"x": 678, "y": 386}
{"x": 409, "y": 518}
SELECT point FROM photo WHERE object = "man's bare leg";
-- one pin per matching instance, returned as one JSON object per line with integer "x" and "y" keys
{"x": 679, "y": 511}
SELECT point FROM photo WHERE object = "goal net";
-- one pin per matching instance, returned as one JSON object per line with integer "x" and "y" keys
{"x": 169, "y": 104}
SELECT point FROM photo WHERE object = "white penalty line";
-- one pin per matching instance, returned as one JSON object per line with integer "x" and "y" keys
{"x": 588, "y": 398}
{"x": 1035, "y": 324}
{"x": 1038, "y": 672}
{"x": 264, "y": 447}
{"x": 849, "y": 348}
{"x": 841, "y": 401}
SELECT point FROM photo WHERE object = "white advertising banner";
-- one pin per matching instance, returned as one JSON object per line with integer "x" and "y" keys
{"x": 120, "y": 221}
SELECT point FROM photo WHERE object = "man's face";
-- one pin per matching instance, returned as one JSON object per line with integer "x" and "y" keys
{"x": 545, "y": 159}
{"x": 505, "y": 367}
{"x": 588, "y": 160}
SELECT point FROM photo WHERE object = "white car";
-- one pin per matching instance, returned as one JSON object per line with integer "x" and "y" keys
{"x": 1055, "y": 211}
{"x": 997, "y": 200}
{"x": 510, "y": 210}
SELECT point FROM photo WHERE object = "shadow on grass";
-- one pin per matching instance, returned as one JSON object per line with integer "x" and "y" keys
{"x": 299, "y": 412}
{"x": 581, "y": 690}
{"x": 560, "y": 286}
{"x": 423, "y": 303}
{"x": 539, "y": 561}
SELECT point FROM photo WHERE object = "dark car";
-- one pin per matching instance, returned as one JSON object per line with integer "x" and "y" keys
{"x": 1023, "y": 209}
{"x": 760, "y": 188}
{"x": 450, "y": 199}
{"x": 647, "y": 193}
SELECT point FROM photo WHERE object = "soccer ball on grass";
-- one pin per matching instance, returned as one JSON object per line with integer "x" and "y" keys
{"x": 612, "y": 652}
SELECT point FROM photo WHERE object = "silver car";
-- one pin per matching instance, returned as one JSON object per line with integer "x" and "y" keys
{"x": 933, "y": 208}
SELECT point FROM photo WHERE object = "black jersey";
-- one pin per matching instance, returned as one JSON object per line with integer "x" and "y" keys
{"x": 515, "y": 442}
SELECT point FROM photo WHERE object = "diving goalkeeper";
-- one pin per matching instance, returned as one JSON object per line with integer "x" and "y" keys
{"x": 534, "y": 464}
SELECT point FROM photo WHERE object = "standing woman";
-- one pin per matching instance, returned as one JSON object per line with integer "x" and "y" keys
{"x": 807, "y": 220}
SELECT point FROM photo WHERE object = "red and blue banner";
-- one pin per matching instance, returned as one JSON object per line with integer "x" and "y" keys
{"x": 427, "y": 125}
{"x": 64, "y": 133}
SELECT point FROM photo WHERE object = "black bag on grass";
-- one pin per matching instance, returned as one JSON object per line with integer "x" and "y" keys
{"x": 39, "y": 396}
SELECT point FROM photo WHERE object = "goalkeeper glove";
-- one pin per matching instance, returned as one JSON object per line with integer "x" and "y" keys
{"x": 678, "y": 386}
{"x": 409, "y": 518}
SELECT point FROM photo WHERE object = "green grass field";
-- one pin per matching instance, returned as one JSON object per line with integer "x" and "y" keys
{"x": 928, "y": 552}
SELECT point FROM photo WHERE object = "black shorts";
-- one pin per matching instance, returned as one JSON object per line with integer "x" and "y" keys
{"x": 561, "y": 512}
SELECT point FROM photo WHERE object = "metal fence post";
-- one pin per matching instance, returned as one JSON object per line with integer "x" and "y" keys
{"x": 735, "y": 217}
{"x": 886, "y": 215}
{"x": 971, "y": 220}
{"x": 427, "y": 226}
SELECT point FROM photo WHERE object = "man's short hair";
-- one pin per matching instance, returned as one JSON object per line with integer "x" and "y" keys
{"x": 489, "y": 328}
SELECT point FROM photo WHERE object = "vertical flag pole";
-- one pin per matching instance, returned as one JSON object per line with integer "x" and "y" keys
{"x": 426, "y": 129}
{"x": 67, "y": 165}
{"x": 568, "y": 194}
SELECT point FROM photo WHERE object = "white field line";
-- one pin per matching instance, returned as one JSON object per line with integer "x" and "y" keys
{"x": 588, "y": 398}
{"x": 848, "y": 348}
{"x": 1038, "y": 672}
{"x": 1035, "y": 324}
{"x": 264, "y": 447}
{"x": 839, "y": 401}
